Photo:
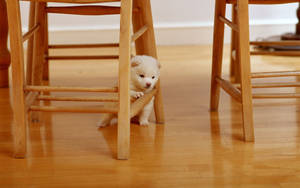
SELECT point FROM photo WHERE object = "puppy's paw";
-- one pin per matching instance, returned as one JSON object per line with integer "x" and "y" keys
{"x": 102, "y": 124}
{"x": 144, "y": 122}
{"x": 138, "y": 95}
{"x": 114, "y": 121}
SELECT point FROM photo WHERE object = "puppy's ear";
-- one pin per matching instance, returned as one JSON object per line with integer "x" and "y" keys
{"x": 135, "y": 61}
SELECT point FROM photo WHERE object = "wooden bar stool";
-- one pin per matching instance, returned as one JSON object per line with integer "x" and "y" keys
{"x": 26, "y": 93}
{"x": 240, "y": 66}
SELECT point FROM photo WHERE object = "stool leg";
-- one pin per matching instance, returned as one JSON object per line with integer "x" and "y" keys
{"x": 217, "y": 54}
{"x": 124, "y": 77}
{"x": 38, "y": 54}
{"x": 46, "y": 50}
{"x": 234, "y": 63}
{"x": 30, "y": 44}
{"x": 39, "y": 43}
{"x": 146, "y": 45}
{"x": 237, "y": 77}
{"x": 4, "y": 53}
{"x": 233, "y": 46}
{"x": 17, "y": 63}
{"x": 244, "y": 59}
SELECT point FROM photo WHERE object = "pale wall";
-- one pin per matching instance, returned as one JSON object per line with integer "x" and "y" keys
{"x": 176, "y": 22}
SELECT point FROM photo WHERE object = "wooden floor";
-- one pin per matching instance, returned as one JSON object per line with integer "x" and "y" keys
{"x": 195, "y": 148}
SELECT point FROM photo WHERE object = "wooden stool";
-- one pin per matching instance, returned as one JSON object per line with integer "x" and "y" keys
{"x": 26, "y": 93}
{"x": 240, "y": 66}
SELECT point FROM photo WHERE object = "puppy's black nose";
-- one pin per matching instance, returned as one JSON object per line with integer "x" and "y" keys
{"x": 148, "y": 85}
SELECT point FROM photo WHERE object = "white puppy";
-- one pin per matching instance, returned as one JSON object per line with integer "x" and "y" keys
{"x": 144, "y": 75}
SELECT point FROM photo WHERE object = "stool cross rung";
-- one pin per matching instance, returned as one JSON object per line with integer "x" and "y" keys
{"x": 230, "y": 89}
{"x": 275, "y": 74}
{"x": 274, "y": 43}
{"x": 78, "y": 99}
{"x": 85, "y": 10}
{"x": 140, "y": 103}
{"x": 275, "y": 95}
{"x": 82, "y": 57}
{"x": 139, "y": 33}
{"x": 75, "y": 109}
{"x": 62, "y": 46}
{"x": 29, "y": 34}
{"x": 70, "y": 89}
{"x": 278, "y": 53}
{"x": 273, "y": 85}
{"x": 30, "y": 99}
{"x": 229, "y": 23}
{"x": 264, "y": 2}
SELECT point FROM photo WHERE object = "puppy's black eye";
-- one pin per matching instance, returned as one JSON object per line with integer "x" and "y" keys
{"x": 153, "y": 77}
{"x": 142, "y": 76}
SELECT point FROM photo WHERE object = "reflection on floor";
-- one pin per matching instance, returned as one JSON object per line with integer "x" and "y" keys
{"x": 195, "y": 148}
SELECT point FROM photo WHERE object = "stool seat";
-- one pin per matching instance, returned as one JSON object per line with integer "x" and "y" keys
{"x": 77, "y": 1}
{"x": 265, "y": 1}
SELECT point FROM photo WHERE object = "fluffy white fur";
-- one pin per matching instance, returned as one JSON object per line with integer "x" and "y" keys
{"x": 144, "y": 75}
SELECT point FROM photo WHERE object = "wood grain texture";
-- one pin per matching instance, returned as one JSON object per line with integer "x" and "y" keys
{"x": 195, "y": 148}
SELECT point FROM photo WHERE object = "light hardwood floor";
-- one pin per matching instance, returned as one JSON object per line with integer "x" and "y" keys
{"x": 195, "y": 148}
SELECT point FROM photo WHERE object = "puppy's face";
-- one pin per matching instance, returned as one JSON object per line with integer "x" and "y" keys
{"x": 144, "y": 72}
